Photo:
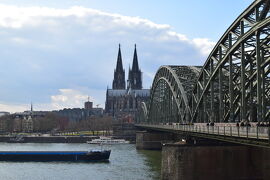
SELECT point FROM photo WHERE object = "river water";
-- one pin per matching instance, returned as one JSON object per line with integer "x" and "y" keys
{"x": 126, "y": 163}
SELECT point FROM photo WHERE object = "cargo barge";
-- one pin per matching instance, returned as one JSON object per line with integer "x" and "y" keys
{"x": 46, "y": 156}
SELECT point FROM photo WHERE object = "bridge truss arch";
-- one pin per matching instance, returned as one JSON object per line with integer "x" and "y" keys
{"x": 141, "y": 116}
{"x": 171, "y": 89}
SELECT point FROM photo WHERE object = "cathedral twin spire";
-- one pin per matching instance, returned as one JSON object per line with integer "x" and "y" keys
{"x": 135, "y": 65}
{"x": 119, "y": 73}
{"x": 134, "y": 75}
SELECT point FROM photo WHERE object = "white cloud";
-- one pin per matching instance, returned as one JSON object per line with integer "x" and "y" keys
{"x": 205, "y": 45}
{"x": 95, "y": 20}
{"x": 45, "y": 49}
{"x": 19, "y": 40}
{"x": 14, "y": 107}
{"x": 68, "y": 98}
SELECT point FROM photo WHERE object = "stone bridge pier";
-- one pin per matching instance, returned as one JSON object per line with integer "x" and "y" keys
{"x": 152, "y": 140}
{"x": 186, "y": 161}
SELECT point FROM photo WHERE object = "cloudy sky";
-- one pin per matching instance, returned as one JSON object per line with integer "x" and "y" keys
{"x": 56, "y": 53}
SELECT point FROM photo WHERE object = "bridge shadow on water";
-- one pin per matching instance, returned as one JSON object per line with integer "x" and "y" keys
{"x": 153, "y": 160}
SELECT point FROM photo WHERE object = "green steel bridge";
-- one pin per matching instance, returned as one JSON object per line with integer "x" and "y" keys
{"x": 229, "y": 96}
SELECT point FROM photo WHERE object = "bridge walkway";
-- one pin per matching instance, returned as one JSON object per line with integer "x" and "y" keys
{"x": 230, "y": 132}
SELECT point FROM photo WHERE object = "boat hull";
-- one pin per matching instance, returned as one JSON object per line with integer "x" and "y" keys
{"x": 45, "y": 156}
{"x": 106, "y": 143}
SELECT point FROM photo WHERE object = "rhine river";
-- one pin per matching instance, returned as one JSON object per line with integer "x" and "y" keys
{"x": 125, "y": 163}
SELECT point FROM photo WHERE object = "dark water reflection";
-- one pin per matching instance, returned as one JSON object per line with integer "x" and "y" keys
{"x": 153, "y": 160}
{"x": 126, "y": 163}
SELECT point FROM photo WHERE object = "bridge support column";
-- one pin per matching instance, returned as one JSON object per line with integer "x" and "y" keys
{"x": 152, "y": 140}
{"x": 182, "y": 161}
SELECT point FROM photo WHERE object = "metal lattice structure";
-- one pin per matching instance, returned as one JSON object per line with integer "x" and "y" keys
{"x": 141, "y": 115}
{"x": 232, "y": 86}
{"x": 170, "y": 94}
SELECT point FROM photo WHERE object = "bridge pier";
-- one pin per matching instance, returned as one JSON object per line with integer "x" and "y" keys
{"x": 152, "y": 140}
{"x": 185, "y": 161}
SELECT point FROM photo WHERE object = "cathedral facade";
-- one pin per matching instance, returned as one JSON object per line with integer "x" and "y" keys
{"x": 125, "y": 98}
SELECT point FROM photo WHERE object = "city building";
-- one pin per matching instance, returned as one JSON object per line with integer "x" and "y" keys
{"x": 124, "y": 100}
{"x": 23, "y": 121}
{"x": 27, "y": 124}
{"x": 4, "y": 113}
{"x": 88, "y": 105}
{"x": 78, "y": 114}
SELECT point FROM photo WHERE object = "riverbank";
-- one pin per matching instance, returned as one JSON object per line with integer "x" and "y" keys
{"x": 56, "y": 139}
{"x": 47, "y": 139}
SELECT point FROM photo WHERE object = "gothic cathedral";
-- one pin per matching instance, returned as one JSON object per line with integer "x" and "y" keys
{"x": 125, "y": 99}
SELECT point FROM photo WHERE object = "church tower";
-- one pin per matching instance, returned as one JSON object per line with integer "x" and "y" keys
{"x": 119, "y": 73}
{"x": 122, "y": 101}
{"x": 135, "y": 74}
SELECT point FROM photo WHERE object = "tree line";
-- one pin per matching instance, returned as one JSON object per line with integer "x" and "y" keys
{"x": 53, "y": 122}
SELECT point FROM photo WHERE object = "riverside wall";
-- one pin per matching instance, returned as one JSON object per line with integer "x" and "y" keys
{"x": 48, "y": 139}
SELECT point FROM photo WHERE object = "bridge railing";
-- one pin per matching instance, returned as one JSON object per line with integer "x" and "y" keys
{"x": 257, "y": 132}
{"x": 237, "y": 131}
